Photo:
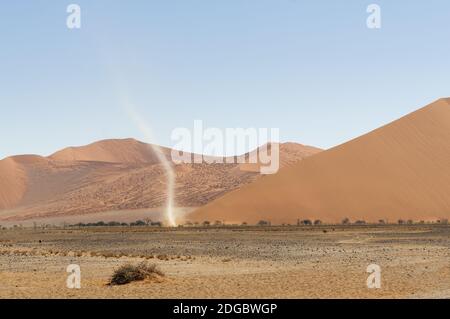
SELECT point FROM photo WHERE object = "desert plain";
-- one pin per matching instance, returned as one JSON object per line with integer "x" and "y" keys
{"x": 326, "y": 261}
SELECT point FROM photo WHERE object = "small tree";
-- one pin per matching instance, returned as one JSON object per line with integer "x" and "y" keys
{"x": 306, "y": 222}
{"x": 263, "y": 223}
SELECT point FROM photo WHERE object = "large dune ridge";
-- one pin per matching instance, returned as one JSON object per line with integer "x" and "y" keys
{"x": 399, "y": 171}
{"x": 113, "y": 151}
{"x": 114, "y": 175}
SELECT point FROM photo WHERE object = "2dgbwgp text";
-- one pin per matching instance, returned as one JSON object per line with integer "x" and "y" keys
{"x": 225, "y": 308}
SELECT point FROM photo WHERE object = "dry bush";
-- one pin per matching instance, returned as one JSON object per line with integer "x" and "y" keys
{"x": 129, "y": 273}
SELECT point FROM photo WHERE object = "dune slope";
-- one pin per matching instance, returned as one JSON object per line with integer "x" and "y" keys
{"x": 12, "y": 183}
{"x": 399, "y": 171}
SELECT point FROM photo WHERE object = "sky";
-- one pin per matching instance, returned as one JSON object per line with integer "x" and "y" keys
{"x": 313, "y": 68}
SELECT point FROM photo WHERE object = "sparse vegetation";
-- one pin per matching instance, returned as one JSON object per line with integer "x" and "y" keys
{"x": 138, "y": 223}
{"x": 129, "y": 273}
{"x": 113, "y": 224}
{"x": 117, "y": 224}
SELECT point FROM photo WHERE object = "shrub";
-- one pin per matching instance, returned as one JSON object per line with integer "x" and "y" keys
{"x": 206, "y": 223}
{"x": 360, "y": 222}
{"x": 129, "y": 273}
{"x": 217, "y": 223}
{"x": 317, "y": 222}
{"x": 140, "y": 223}
{"x": 381, "y": 222}
{"x": 305, "y": 222}
{"x": 346, "y": 221}
{"x": 113, "y": 223}
{"x": 263, "y": 223}
{"x": 410, "y": 222}
{"x": 401, "y": 221}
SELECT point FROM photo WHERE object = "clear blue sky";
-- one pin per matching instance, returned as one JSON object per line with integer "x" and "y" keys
{"x": 311, "y": 68}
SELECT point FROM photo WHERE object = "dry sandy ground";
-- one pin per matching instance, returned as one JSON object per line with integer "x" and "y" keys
{"x": 275, "y": 262}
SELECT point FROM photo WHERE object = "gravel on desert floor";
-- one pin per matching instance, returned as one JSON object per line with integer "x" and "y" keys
{"x": 230, "y": 262}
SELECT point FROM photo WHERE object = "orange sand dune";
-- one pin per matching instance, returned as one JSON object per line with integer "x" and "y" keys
{"x": 12, "y": 183}
{"x": 291, "y": 154}
{"x": 111, "y": 151}
{"x": 399, "y": 171}
{"x": 112, "y": 175}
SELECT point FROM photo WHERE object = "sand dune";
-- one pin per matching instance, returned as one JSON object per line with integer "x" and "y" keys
{"x": 291, "y": 153}
{"x": 111, "y": 151}
{"x": 113, "y": 175}
{"x": 399, "y": 171}
{"x": 12, "y": 183}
